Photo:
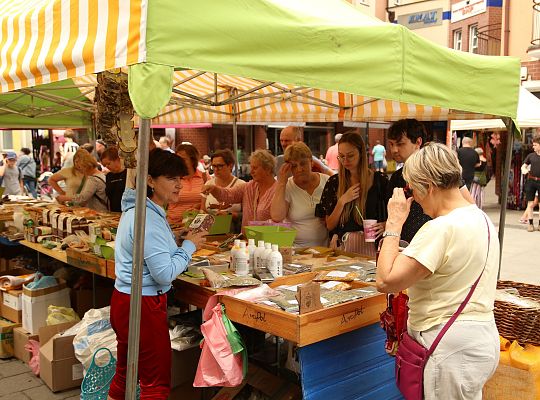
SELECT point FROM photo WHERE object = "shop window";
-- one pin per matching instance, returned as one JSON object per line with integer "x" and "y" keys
{"x": 473, "y": 39}
{"x": 457, "y": 40}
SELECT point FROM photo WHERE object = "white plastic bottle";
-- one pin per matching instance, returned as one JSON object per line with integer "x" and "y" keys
{"x": 235, "y": 248}
{"x": 251, "y": 250}
{"x": 266, "y": 255}
{"x": 242, "y": 260}
{"x": 275, "y": 263}
{"x": 258, "y": 253}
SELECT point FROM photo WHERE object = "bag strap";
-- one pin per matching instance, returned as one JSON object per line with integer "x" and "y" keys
{"x": 83, "y": 181}
{"x": 462, "y": 306}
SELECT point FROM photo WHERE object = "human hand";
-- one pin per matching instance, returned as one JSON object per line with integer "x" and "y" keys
{"x": 284, "y": 173}
{"x": 378, "y": 228}
{"x": 197, "y": 237}
{"x": 398, "y": 209}
{"x": 207, "y": 189}
{"x": 352, "y": 194}
{"x": 62, "y": 198}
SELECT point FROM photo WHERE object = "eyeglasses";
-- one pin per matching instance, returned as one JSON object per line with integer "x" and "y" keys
{"x": 218, "y": 166}
{"x": 347, "y": 157}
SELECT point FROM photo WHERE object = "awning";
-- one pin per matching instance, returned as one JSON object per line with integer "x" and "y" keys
{"x": 528, "y": 116}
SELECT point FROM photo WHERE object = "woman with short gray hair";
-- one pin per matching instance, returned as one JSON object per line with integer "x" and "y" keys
{"x": 443, "y": 261}
{"x": 256, "y": 196}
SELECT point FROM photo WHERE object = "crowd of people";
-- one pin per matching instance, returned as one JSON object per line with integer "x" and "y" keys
{"x": 427, "y": 204}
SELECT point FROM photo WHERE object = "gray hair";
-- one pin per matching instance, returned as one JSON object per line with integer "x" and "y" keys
{"x": 434, "y": 165}
{"x": 267, "y": 160}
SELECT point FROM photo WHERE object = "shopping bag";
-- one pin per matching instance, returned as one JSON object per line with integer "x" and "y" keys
{"x": 221, "y": 363}
{"x": 394, "y": 320}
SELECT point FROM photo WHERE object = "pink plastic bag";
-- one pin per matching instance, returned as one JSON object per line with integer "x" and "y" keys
{"x": 33, "y": 347}
{"x": 218, "y": 365}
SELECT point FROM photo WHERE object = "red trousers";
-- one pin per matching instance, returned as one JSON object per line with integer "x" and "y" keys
{"x": 154, "y": 346}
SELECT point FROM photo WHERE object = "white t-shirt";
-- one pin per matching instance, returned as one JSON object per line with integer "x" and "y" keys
{"x": 454, "y": 248}
{"x": 210, "y": 199}
{"x": 311, "y": 231}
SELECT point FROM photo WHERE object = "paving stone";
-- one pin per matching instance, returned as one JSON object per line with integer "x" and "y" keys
{"x": 44, "y": 393}
{"x": 18, "y": 383}
{"x": 12, "y": 368}
{"x": 14, "y": 396}
{"x": 78, "y": 397}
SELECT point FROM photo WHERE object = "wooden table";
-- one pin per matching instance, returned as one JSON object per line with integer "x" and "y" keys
{"x": 56, "y": 254}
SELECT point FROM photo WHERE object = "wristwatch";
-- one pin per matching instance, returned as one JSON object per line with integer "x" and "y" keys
{"x": 389, "y": 233}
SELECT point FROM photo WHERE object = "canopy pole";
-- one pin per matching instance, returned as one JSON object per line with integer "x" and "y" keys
{"x": 235, "y": 135}
{"x": 138, "y": 257}
{"x": 504, "y": 185}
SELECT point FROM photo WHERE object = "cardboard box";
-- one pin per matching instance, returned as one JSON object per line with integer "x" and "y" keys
{"x": 20, "y": 338}
{"x": 11, "y": 307}
{"x": 36, "y": 302}
{"x": 184, "y": 366}
{"x": 6, "y": 338}
{"x": 59, "y": 368}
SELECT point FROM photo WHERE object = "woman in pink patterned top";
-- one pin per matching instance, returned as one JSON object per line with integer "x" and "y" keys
{"x": 256, "y": 196}
{"x": 192, "y": 184}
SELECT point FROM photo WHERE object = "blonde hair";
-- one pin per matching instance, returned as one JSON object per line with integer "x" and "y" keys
{"x": 434, "y": 165}
{"x": 85, "y": 159}
{"x": 297, "y": 151}
{"x": 345, "y": 180}
{"x": 267, "y": 160}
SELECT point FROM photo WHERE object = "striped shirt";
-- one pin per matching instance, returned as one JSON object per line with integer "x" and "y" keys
{"x": 189, "y": 198}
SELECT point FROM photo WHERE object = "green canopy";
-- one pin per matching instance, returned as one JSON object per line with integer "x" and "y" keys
{"x": 54, "y": 105}
{"x": 325, "y": 44}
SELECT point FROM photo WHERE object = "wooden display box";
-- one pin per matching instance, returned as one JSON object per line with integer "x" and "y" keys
{"x": 110, "y": 269}
{"x": 311, "y": 327}
{"x": 87, "y": 261}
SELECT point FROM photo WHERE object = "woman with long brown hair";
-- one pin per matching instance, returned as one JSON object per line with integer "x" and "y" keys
{"x": 355, "y": 194}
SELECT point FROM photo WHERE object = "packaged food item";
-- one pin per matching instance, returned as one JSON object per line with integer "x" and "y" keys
{"x": 336, "y": 285}
{"x": 343, "y": 276}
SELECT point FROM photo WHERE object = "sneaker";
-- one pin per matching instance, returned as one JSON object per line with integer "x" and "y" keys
{"x": 538, "y": 228}
{"x": 530, "y": 228}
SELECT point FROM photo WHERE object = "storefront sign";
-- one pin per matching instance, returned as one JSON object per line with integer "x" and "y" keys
{"x": 421, "y": 19}
{"x": 466, "y": 9}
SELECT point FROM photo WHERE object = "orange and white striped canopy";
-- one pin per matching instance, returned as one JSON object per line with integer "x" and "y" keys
{"x": 202, "y": 97}
{"x": 44, "y": 41}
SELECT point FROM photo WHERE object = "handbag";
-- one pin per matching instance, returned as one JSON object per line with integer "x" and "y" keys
{"x": 411, "y": 356}
{"x": 353, "y": 242}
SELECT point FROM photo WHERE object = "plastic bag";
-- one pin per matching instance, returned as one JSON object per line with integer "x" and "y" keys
{"x": 223, "y": 359}
{"x": 59, "y": 315}
{"x": 33, "y": 347}
{"x": 94, "y": 331}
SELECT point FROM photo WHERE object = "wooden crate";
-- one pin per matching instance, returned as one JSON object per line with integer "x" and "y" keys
{"x": 311, "y": 327}
{"x": 110, "y": 269}
{"x": 87, "y": 261}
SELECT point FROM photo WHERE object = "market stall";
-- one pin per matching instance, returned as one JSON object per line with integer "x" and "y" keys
{"x": 318, "y": 44}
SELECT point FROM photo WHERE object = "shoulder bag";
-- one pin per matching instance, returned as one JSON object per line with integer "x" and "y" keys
{"x": 411, "y": 356}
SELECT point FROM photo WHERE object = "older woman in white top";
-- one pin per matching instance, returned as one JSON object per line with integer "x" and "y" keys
{"x": 296, "y": 196}
{"x": 443, "y": 260}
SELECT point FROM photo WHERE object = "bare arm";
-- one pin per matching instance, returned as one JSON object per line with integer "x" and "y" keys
{"x": 54, "y": 179}
{"x": 396, "y": 271}
{"x": 2, "y": 169}
{"x": 279, "y": 207}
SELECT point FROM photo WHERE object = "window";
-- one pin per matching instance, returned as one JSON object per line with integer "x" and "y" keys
{"x": 473, "y": 39}
{"x": 457, "y": 40}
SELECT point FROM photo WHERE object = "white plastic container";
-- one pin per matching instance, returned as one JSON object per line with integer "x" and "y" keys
{"x": 275, "y": 262}
{"x": 234, "y": 249}
{"x": 258, "y": 253}
{"x": 251, "y": 250}
{"x": 242, "y": 260}
{"x": 265, "y": 257}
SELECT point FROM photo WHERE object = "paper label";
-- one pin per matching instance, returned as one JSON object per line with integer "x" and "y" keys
{"x": 14, "y": 302}
{"x": 268, "y": 303}
{"x": 330, "y": 284}
{"x": 337, "y": 274}
{"x": 293, "y": 301}
{"x": 356, "y": 267}
{"x": 76, "y": 372}
{"x": 323, "y": 300}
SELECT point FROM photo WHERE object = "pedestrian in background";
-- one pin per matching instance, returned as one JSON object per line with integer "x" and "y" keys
{"x": 332, "y": 154}
{"x": 27, "y": 165}
{"x": 480, "y": 179}
{"x": 379, "y": 156}
{"x": 468, "y": 159}
{"x": 69, "y": 148}
{"x": 11, "y": 174}
{"x": 531, "y": 168}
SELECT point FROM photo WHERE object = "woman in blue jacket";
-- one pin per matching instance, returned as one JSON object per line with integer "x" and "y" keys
{"x": 163, "y": 262}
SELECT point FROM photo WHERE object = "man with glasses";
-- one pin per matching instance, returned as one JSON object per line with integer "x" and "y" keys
{"x": 293, "y": 134}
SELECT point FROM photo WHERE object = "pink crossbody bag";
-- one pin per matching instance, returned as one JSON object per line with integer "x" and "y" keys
{"x": 411, "y": 356}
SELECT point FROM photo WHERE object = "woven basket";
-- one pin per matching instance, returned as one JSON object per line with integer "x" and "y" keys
{"x": 518, "y": 323}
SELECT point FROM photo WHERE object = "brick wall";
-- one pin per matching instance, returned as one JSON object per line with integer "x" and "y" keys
{"x": 533, "y": 69}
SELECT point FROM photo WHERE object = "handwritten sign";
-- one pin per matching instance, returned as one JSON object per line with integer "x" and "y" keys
{"x": 351, "y": 315}
{"x": 257, "y": 316}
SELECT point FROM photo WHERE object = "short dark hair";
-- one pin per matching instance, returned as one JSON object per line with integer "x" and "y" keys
{"x": 164, "y": 163}
{"x": 89, "y": 147}
{"x": 110, "y": 153}
{"x": 25, "y": 150}
{"x": 536, "y": 139}
{"x": 410, "y": 127}
{"x": 192, "y": 153}
{"x": 227, "y": 156}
